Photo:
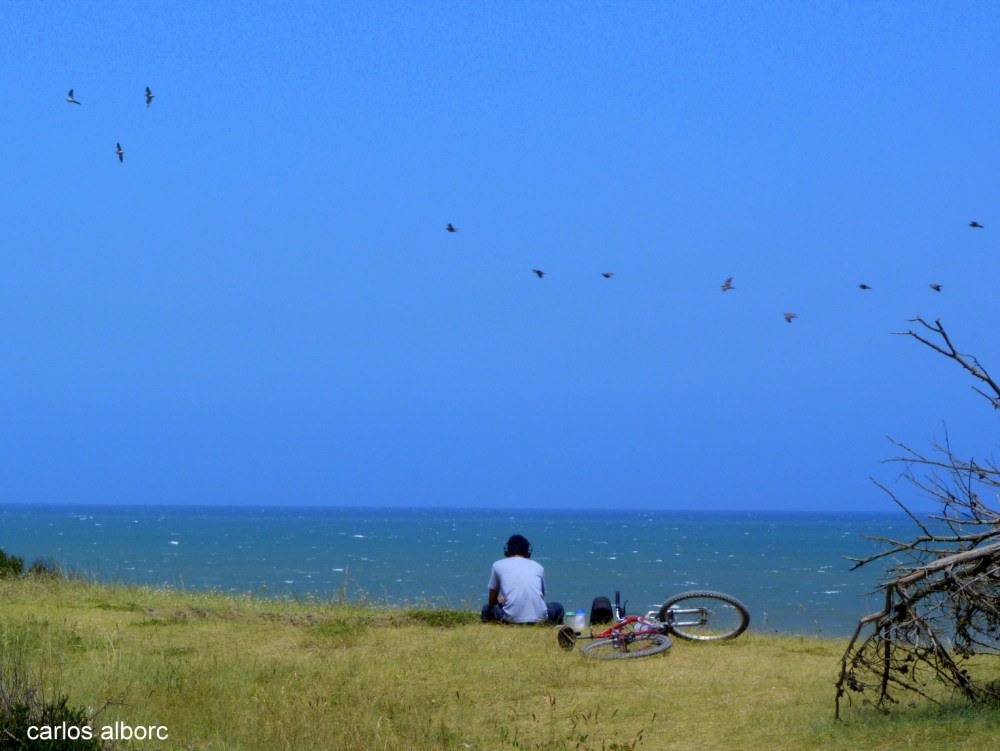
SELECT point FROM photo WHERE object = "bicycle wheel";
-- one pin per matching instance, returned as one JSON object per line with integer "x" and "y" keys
{"x": 642, "y": 645}
{"x": 705, "y": 616}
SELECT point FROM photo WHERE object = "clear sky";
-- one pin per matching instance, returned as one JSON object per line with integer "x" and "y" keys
{"x": 261, "y": 304}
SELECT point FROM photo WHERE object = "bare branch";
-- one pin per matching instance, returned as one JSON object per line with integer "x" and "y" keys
{"x": 942, "y": 589}
{"x": 951, "y": 353}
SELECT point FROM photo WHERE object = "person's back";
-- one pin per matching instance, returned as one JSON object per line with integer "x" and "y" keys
{"x": 521, "y": 582}
{"x": 517, "y": 588}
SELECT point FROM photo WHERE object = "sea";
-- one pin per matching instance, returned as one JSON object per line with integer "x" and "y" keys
{"x": 792, "y": 570}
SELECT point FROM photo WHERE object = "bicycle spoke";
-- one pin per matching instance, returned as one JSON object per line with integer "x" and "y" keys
{"x": 705, "y": 616}
{"x": 627, "y": 646}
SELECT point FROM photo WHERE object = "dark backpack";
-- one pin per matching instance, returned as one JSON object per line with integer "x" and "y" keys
{"x": 600, "y": 611}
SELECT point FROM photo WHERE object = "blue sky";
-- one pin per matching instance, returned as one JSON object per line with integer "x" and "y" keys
{"x": 261, "y": 305}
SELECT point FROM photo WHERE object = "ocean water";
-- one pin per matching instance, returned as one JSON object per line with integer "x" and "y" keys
{"x": 790, "y": 569}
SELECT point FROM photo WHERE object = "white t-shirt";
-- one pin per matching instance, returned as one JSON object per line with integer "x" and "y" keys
{"x": 521, "y": 582}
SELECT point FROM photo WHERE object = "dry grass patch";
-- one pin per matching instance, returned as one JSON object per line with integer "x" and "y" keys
{"x": 242, "y": 673}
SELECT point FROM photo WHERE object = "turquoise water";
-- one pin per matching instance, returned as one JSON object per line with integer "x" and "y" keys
{"x": 790, "y": 569}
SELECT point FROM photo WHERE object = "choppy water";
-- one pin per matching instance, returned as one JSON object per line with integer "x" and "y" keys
{"x": 790, "y": 569}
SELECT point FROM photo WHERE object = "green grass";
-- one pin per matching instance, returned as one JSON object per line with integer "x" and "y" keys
{"x": 246, "y": 673}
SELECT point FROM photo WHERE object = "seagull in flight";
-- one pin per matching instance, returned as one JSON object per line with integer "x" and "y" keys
{"x": 539, "y": 273}
{"x": 70, "y": 99}
{"x": 790, "y": 316}
{"x": 149, "y": 96}
{"x": 451, "y": 227}
{"x": 120, "y": 153}
{"x": 975, "y": 225}
{"x": 863, "y": 286}
{"x": 936, "y": 287}
{"x": 728, "y": 285}
{"x": 608, "y": 274}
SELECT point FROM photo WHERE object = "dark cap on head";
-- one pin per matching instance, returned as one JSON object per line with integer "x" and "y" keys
{"x": 517, "y": 545}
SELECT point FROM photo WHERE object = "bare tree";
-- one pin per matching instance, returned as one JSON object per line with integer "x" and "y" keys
{"x": 941, "y": 589}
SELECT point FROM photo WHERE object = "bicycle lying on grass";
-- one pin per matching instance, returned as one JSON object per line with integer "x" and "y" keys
{"x": 695, "y": 616}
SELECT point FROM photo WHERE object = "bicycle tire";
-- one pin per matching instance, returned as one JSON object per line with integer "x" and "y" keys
{"x": 712, "y": 616}
{"x": 645, "y": 645}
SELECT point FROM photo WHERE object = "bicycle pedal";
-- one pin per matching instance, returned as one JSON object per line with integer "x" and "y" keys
{"x": 567, "y": 637}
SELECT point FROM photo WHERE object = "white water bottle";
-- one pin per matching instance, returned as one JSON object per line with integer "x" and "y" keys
{"x": 580, "y": 621}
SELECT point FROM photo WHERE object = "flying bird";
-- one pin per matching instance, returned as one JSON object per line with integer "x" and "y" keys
{"x": 70, "y": 99}
{"x": 451, "y": 228}
{"x": 790, "y": 316}
{"x": 120, "y": 153}
{"x": 149, "y": 96}
{"x": 936, "y": 287}
{"x": 974, "y": 225}
{"x": 608, "y": 274}
{"x": 539, "y": 273}
{"x": 728, "y": 285}
{"x": 863, "y": 286}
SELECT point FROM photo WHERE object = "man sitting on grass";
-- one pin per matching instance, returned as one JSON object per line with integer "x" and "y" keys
{"x": 517, "y": 588}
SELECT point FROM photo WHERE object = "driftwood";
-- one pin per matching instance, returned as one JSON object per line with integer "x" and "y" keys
{"x": 942, "y": 590}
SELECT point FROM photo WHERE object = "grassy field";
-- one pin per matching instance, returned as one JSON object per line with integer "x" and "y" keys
{"x": 221, "y": 672}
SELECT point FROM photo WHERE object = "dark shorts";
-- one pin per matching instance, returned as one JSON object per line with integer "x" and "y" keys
{"x": 494, "y": 614}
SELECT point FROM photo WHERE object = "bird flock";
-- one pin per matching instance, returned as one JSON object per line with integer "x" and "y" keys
{"x": 537, "y": 272}
{"x": 727, "y": 285}
{"x": 119, "y": 151}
